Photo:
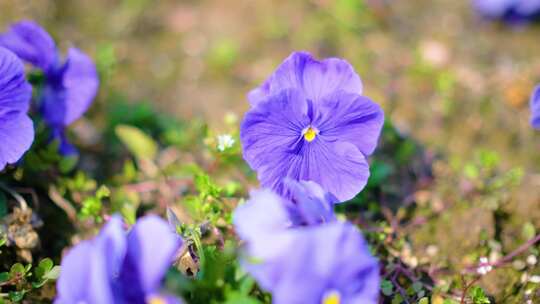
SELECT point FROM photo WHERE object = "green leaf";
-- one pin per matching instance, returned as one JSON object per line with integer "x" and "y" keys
{"x": 4, "y": 276}
{"x": 397, "y": 299}
{"x": 68, "y": 163}
{"x": 17, "y": 296}
{"x": 528, "y": 230}
{"x": 17, "y": 269}
{"x": 3, "y": 205}
{"x": 417, "y": 286}
{"x": 246, "y": 285}
{"x": 423, "y": 301}
{"x": 53, "y": 274}
{"x": 103, "y": 192}
{"x": 234, "y": 297}
{"x": 205, "y": 186}
{"x": 478, "y": 296}
{"x": 137, "y": 142}
{"x": 43, "y": 267}
{"x": 387, "y": 287}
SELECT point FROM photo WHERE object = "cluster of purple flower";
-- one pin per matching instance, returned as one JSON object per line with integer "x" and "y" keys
{"x": 307, "y": 134}
{"x": 513, "y": 11}
{"x": 69, "y": 89}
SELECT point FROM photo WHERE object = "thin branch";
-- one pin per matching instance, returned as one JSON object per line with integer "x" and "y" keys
{"x": 22, "y": 202}
{"x": 64, "y": 204}
{"x": 508, "y": 258}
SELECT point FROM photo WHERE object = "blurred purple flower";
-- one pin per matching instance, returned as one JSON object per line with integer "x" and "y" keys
{"x": 118, "y": 268}
{"x": 70, "y": 86}
{"x": 16, "y": 128}
{"x": 513, "y": 11}
{"x": 308, "y": 121}
{"x": 326, "y": 261}
{"x": 535, "y": 108}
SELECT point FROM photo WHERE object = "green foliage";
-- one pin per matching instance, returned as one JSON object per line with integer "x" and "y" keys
{"x": 25, "y": 281}
{"x": 138, "y": 143}
{"x": 478, "y": 295}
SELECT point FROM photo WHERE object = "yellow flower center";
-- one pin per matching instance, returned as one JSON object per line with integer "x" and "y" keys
{"x": 156, "y": 300}
{"x": 332, "y": 297}
{"x": 310, "y": 134}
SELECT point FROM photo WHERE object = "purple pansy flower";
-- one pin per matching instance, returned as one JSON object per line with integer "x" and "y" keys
{"x": 309, "y": 121}
{"x": 116, "y": 267}
{"x": 16, "y": 128}
{"x": 535, "y": 108}
{"x": 326, "y": 261}
{"x": 70, "y": 86}
{"x": 514, "y": 11}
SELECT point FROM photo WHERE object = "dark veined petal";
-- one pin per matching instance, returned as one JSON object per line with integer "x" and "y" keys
{"x": 535, "y": 108}
{"x": 351, "y": 118}
{"x": 31, "y": 43}
{"x": 151, "y": 248}
{"x": 273, "y": 126}
{"x": 15, "y": 91}
{"x": 315, "y": 78}
{"x": 274, "y": 146}
{"x": 68, "y": 95}
{"x": 311, "y": 205}
{"x": 84, "y": 277}
{"x": 339, "y": 167}
{"x": 16, "y": 128}
{"x": 16, "y": 137}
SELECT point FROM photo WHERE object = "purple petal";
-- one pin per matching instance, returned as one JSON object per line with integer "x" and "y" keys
{"x": 535, "y": 108}
{"x": 276, "y": 124}
{"x": 16, "y": 128}
{"x": 492, "y": 8}
{"x": 16, "y": 136}
{"x": 112, "y": 242}
{"x": 65, "y": 148}
{"x": 81, "y": 83}
{"x": 315, "y": 78}
{"x": 83, "y": 277}
{"x": 151, "y": 248}
{"x": 274, "y": 146}
{"x": 320, "y": 259}
{"x": 332, "y": 257}
{"x": 351, "y": 118}
{"x": 266, "y": 258}
{"x": 265, "y": 212}
{"x": 15, "y": 91}
{"x": 528, "y": 7}
{"x": 31, "y": 43}
{"x": 91, "y": 268}
{"x": 312, "y": 205}
{"x": 71, "y": 90}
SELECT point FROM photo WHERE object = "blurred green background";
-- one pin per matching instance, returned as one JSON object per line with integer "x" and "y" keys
{"x": 441, "y": 74}
{"x": 455, "y": 83}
